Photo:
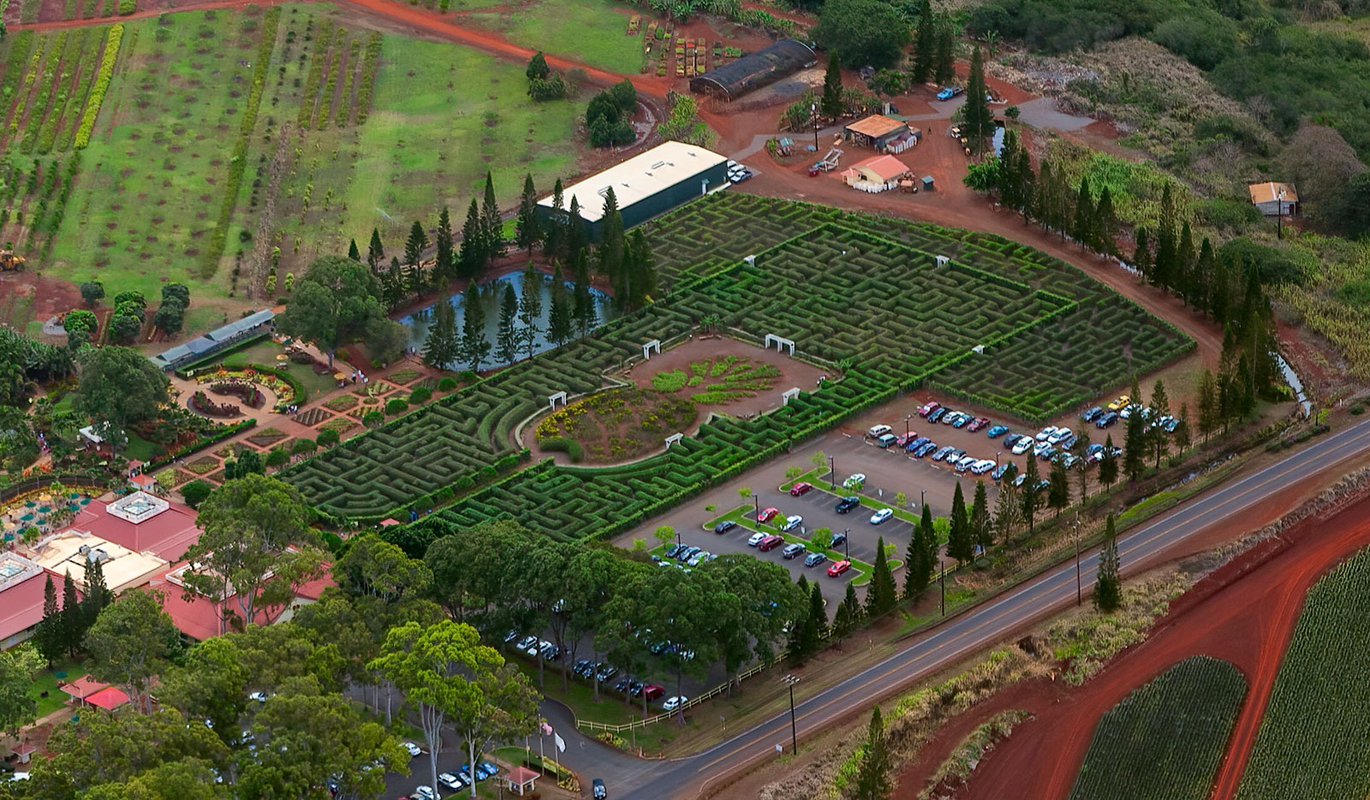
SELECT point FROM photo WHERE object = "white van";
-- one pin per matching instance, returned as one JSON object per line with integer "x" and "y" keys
{"x": 878, "y": 430}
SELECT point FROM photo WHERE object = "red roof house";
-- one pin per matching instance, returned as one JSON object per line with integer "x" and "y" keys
{"x": 142, "y": 523}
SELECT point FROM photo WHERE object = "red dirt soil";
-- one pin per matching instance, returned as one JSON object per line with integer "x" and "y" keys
{"x": 1244, "y": 613}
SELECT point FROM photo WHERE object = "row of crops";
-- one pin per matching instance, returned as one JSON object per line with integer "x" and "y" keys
{"x": 1313, "y": 740}
{"x": 1166, "y": 739}
{"x": 845, "y": 287}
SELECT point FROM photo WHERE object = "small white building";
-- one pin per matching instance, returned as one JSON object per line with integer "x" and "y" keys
{"x": 1274, "y": 199}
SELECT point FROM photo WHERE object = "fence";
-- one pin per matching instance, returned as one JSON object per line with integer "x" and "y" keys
{"x": 587, "y": 725}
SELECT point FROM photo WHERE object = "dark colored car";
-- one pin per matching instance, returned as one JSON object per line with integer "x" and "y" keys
{"x": 925, "y": 449}
{"x": 723, "y": 527}
{"x": 847, "y": 504}
{"x": 597, "y": 790}
{"x": 917, "y": 443}
{"x": 838, "y": 539}
{"x": 770, "y": 543}
{"x": 937, "y": 414}
{"x": 1092, "y": 414}
{"x": 1106, "y": 420}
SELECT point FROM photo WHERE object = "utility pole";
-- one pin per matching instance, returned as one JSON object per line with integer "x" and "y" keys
{"x": 756, "y": 502}
{"x": 832, "y": 471}
{"x": 814, "y": 108}
{"x": 846, "y": 542}
{"x": 1079, "y": 583}
{"x": 944, "y": 588}
{"x": 1279, "y": 206}
{"x": 790, "y": 681}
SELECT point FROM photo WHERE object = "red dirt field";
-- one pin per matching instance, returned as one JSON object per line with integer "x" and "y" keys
{"x": 28, "y": 296}
{"x": 1244, "y": 613}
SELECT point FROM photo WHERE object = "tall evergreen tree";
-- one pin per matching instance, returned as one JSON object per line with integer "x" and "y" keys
{"x": 817, "y": 626}
{"x": 1182, "y": 430}
{"x": 1208, "y": 405}
{"x": 961, "y": 541}
{"x": 1082, "y": 230}
{"x": 392, "y": 283}
{"x": 413, "y": 255}
{"x": 831, "y": 102}
{"x": 981, "y": 524}
{"x": 473, "y": 347}
{"x": 945, "y": 63}
{"x": 1186, "y": 260}
{"x": 560, "y": 325}
{"x": 440, "y": 350}
{"x": 73, "y": 618}
{"x": 48, "y": 636}
{"x": 1106, "y": 224}
{"x": 1108, "y": 587}
{"x": 1010, "y": 180}
{"x": 920, "y": 559}
{"x": 1166, "y": 241}
{"x": 1141, "y": 255}
{"x": 1108, "y": 465}
{"x": 1008, "y": 508}
{"x": 613, "y": 248}
{"x": 353, "y": 253}
{"x": 1058, "y": 494}
{"x": 1027, "y": 184}
{"x": 554, "y": 233}
{"x": 472, "y": 258}
{"x": 1160, "y": 407}
{"x": 445, "y": 260}
{"x": 529, "y": 231}
{"x": 1041, "y": 199}
{"x": 530, "y": 309}
{"x": 506, "y": 336}
{"x": 1135, "y": 447}
{"x": 881, "y": 595}
{"x": 926, "y": 40}
{"x": 375, "y": 252}
{"x": 98, "y": 596}
{"x": 491, "y": 225}
{"x": 583, "y": 311}
{"x": 1082, "y": 446}
{"x": 1201, "y": 279}
{"x": 1031, "y": 495}
{"x": 577, "y": 238}
{"x": 975, "y": 114}
{"x": 639, "y": 272}
{"x": 849, "y": 614}
{"x": 873, "y": 775}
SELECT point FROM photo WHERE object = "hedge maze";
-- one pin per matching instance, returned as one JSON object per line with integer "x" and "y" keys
{"x": 847, "y": 288}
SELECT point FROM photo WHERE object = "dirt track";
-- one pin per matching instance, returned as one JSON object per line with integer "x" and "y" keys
{"x": 1244, "y": 613}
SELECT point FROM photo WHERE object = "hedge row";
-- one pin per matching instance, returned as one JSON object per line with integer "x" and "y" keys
{"x": 102, "y": 79}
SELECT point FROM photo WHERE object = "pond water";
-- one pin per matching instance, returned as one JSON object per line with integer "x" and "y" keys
{"x": 490, "y": 293}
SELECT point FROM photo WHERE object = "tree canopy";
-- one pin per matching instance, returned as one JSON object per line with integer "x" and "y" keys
{"x": 863, "y": 32}
{"x": 120, "y": 387}
{"x": 336, "y": 302}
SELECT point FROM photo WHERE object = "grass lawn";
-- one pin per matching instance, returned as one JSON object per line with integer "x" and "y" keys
{"x": 265, "y": 351}
{"x": 589, "y": 31}
{"x": 140, "y": 448}
{"x": 47, "y": 682}
{"x": 609, "y": 709}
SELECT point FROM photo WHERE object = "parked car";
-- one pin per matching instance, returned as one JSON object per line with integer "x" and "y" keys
{"x": 1059, "y": 435}
{"x": 952, "y": 418}
{"x": 886, "y": 440}
{"x": 767, "y": 514}
{"x": 800, "y": 489}
{"x": 1045, "y": 433}
{"x": 962, "y": 421}
{"x": 925, "y": 449}
{"x": 792, "y": 551}
{"x": 699, "y": 558}
{"x": 1068, "y": 443}
{"x": 963, "y": 463}
{"x": 674, "y": 550}
{"x": 606, "y": 672}
{"x": 652, "y": 692}
{"x": 528, "y": 645}
{"x": 597, "y": 790}
{"x": 794, "y": 521}
{"x": 1024, "y": 444}
{"x": 454, "y": 782}
{"x": 881, "y": 516}
{"x": 1122, "y": 401}
{"x": 917, "y": 443}
{"x": 1091, "y": 414}
{"x": 674, "y": 703}
{"x": 583, "y": 667}
{"x": 1010, "y": 439}
{"x": 755, "y": 539}
{"x": 549, "y": 651}
{"x": 876, "y": 431}
{"x": 839, "y": 568}
{"x": 928, "y": 407}
{"x": 997, "y": 431}
{"x": 511, "y": 636}
{"x": 838, "y": 539}
{"x": 941, "y": 454}
{"x": 982, "y": 466}
{"x": 1106, "y": 420}
{"x": 1068, "y": 460}
{"x": 725, "y": 526}
{"x": 903, "y": 441}
{"x": 814, "y": 559}
{"x": 855, "y": 481}
{"x": 687, "y": 554}
{"x": 937, "y": 414}
{"x": 949, "y": 92}
{"x": 770, "y": 543}
{"x": 977, "y": 423}
{"x": 999, "y": 471}
{"x": 424, "y": 793}
{"x": 847, "y": 504}
{"x": 414, "y": 750}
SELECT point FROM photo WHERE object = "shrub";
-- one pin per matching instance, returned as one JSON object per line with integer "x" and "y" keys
{"x": 305, "y": 446}
{"x": 373, "y": 419}
{"x": 672, "y": 381}
{"x": 447, "y": 384}
{"x": 97, "y": 92}
{"x": 127, "y": 7}
{"x": 278, "y": 457}
{"x": 420, "y": 396}
{"x": 329, "y": 437}
{"x": 195, "y": 492}
{"x": 396, "y": 405}
{"x": 570, "y": 447}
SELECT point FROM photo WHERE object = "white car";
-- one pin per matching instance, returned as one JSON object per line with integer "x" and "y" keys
{"x": 963, "y": 463}
{"x": 792, "y": 522}
{"x": 695, "y": 560}
{"x": 854, "y": 481}
{"x": 414, "y": 750}
{"x": 451, "y": 781}
{"x": 1060, "y": 434}
{"x": 756, "y": 538}
{"x": 260, "y": 697}
{"x": 1041, "y": 448}
{"x": 878, "y": 431}
{"x": 982, "y": 466}
{"x": 1024, "y": 444}
{"x": 674, "y": 703}
{"x": 881, "y": 516}
{"x": 1046, "y": 433}
{"x": 426, "y": 793}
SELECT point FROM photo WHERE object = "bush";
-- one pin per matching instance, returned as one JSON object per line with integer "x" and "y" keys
{"x": 396, "y": 405}
{"x": 304, "y": 447}
{"x": 373, "y": 419}
{"x": 420, "y": 396}
{"x": 329, "y": 437}
{"x": 447, "y": 384}
{"x": 195, "y": 492}
{"x": 127, "y": 7}
{"x": 278, "y": 457}
{"x": 97, "y": 92}
{"x": 568, "y": 446}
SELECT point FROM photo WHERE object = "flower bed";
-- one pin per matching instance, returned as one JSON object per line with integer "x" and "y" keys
{"x": 251, "y": 396}
{"x": 617, "y": 425}
{"x": 341, "y": 403}
{"x": 201, "y": 404}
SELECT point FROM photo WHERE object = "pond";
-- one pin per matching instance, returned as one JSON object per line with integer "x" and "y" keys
{"x": 419, "y": 322}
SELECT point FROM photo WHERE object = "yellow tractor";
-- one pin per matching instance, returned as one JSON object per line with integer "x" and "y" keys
{"x": 9, "y": 262}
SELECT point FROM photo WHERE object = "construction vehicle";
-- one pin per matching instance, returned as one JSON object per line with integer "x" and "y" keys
{"x": 9, "y": 262}
{"x": 828, "y": 164}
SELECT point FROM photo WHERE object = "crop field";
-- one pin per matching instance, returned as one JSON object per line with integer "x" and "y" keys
{"x": 1166, "y": 739}
{"x": 590, "y": 31}
{"x": 1312, "y": 742}
{"x": 845, "y": 294}
{"x": 218, "y": 136}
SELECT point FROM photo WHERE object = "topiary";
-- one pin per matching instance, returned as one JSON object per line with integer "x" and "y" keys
{"x": 396, "y": 405}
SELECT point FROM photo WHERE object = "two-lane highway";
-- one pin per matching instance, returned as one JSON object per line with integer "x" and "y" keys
{"x": 994, "y": 622}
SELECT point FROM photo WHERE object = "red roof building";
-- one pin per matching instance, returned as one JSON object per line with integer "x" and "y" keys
{"x": 199, "y": 617}
{"x": 21, "y": 598}
{"x": 108, "y": 698}
{"x": 83, "y": 687}
{"x": 142, "y": 523}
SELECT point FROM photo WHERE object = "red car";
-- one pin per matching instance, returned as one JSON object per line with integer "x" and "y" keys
{"x": 928, "y": 407}
{"x": 767, "y": 514}
{"x": 652, "y": 691}
{"x": 838, "y": 568}
{"x": 800, "y": 488}
{"x": 770, "y": 543}
{"x": 977, "y": 423}
{"x": 903, "y": 441}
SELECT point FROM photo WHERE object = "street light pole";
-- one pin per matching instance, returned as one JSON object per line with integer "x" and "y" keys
{"x": 1279, "y": 211}
{"x": 922, "y": 499}
{"x": 944, "y": 588}
{"x": 1079, "y": 583}
{"x": 790, "y": 681}
{"x": 846, "y": 542}
{"x": 832, "y": 471}
{"x": 756, "y": 502}
{"x": 814, "y": 108}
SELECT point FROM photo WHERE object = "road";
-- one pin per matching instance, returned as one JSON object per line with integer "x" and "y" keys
{"x": 987, "y": 625}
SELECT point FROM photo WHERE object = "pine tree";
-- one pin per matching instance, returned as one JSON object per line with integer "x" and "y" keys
{"x": 537, "y": 68}
{"x": 1164, "y": 273}
{"x": 560, "y": 326}
{"x": 639, "y": 272}
{"x": 98, "y": 595}
{"x": 1135, "y": 448}
{"x": 925, "y": 51}
{"x": 1058, "y": 494}
{"x": 529, "y": 230}
{"x": 554, "y": 233}
{"x": 353, "y": 253}
{"x": 1041, "y": 198}
{"x": 945, "y": 64}
{"x": 849, "y": 615}
{"x": 1082, "y": 230}
{"x": 873, "y": 775}
{"x": 413, "y": 255}
{"x": 919, "y": 559}
{"x": 881, "y": 595}
{"x": 576, "y": 236}
{"x": 584, "y": 312}
{"x": 1108, "y": 465}
{"x": 981, "y": 525}
{"x": 831, "y": 102}
{"x": 1008, "y": 509}
{"x": 1160, "y": 407}
{"x": 817, "y": 623}
{"x": 975, "y": 114}
{"x": 612, "y": 248}
{"x": 47, "y": 638}
{"x": 1010, "y": 181}
{"x": 1141, "y": 255}
{"x": 1106, "y": 224}
{"x": 472, "y": 258}
{"x": 1030, "y": 499}
{"x": 1186, "y": 260}
{"x": 1082, "y": 446}
{"x": 506, "y": 337}
{"x": 392, "y": 283}
{"x": 445, "y": 261}
{"x": 530, "y": 309}
{"x": 1027, "y": 184}
{"x": 375, "y": 252}
{"x": 73, "y": 619}
{"x": 473, "y": 347}
{"x": 1182, "y": 441}
{"x": 492, "y": 227}
{"x": 1108, "y": 589}
{"x": 961, "y": 541}
{"x": 1208, "y": 405}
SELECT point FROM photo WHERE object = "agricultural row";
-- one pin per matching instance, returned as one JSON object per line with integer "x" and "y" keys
{"x": 1312, "y": 739}
{"x": 342, "y": 77}
{"x": 1166, "y": 739}
{"x": 31, "y": 11}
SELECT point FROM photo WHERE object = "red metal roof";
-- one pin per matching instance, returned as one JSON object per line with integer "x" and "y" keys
{"x": 108, "y": 698}
{"x": 522, "y": 775}
{"x": 21, "y": 606}
{"x": 82, "y": 688}
{"x": 168, "y": 535}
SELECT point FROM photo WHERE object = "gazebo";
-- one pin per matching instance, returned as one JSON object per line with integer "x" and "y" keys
{"x": 521, "y": 780}
{"x": 24, "y": 751}
{"x": 108, "y": 699}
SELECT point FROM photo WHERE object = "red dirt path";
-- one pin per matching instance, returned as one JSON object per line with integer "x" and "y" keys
{"x": 1244, "y": 613}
